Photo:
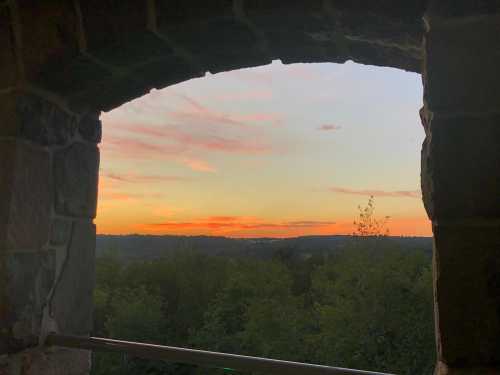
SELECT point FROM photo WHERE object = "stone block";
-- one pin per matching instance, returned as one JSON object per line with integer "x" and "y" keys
{"x": 50, "y": 35}
{"x": 112, "y": 93}
{"x": 72, "y": 76}
{"x": 60, "y": 232}
{"x": 9, "y": 119}
{"x": 7, "y": 169}
{"x": 90, "y": 128}
{"x": 71, "y": 305}
{"x": 31, "y": 198}
{"x": 165, "y": 72}
{"x": 460, "y": 167}
{"x": 216, "y": 39}
{"x": 8, "y": 69}
{"x": 462, "y": 66}
{"x": 467, "y": 293}
{"x": 44, "y": 123}
{"x": 54, "y": 361}
{"x": 463, "y": 8}
{"x": 442, "y": 369}
{"x": 76, "y": 170}
{"x": 30, "y": 277}
{"x": 296, "y": 31}
{"x": 117, "y": 33}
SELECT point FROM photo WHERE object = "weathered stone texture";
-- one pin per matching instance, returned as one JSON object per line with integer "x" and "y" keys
{"x": 50, "y": 36}
{"x": 60, "y": 232}
{"x": 44, "y": 123}
{"x": 49, "y": 361}
{"x": 76, "y": 171}
{"x": 467, "y": 292}
{"x": 90, "y": 128}
{"x": 442, "y": 369}
{"x": 116, "y": 32}
{"x": 461, "y": 167}
{"x": 8, "y": 68}
{"x": 71, "y": 305}
{"x": 462, "y": 65}
{"x": 30, "y": 203}
{"x": 30, "y": 277}
{"x": 462, "y": 8}
{"x": 217, "y": 42}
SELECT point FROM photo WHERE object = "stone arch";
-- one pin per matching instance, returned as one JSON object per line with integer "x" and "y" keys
{"x": 62, "y": 62}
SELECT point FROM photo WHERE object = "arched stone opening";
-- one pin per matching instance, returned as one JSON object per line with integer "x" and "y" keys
{"x": 63, "y": 62}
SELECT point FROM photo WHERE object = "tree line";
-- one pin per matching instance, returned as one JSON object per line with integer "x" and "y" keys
{"x": 367, "y": 306}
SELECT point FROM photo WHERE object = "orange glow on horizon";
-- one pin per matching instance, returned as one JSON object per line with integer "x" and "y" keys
{"x": 242, "y": 227}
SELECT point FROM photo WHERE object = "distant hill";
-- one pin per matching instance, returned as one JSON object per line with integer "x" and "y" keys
{"x": 147, "y": 247}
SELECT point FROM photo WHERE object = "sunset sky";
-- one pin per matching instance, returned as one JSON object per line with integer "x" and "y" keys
{"x": 278, "y": 150}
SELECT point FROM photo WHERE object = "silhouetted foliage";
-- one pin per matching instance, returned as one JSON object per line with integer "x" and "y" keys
{"x": 368, "y": 306}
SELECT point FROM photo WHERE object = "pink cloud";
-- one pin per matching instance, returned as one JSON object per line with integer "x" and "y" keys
{"x": 329, "y": 127}
{"x": 244, "y": 96}
{"x": 378, "y": 193}
{"x": 137, "y": 178}
{"x": 210, "y": 142}
{"x": 136, "y": 148}
{"x": 199, "y": 165}
{"x": 236, "y": 223}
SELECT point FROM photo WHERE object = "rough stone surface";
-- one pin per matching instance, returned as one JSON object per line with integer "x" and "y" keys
{"x": 9, "y": 119}
{"x": 117, "y": 32}
{"x": 462, "y": 65}
{"x": 90, "y": 128}
{"x": 30, "y": 277}
{"x": 44, "y": 123}
{"x": 71, "y": 305}
{"x": 74, "y": 77}
{"x": 122, "y": 38}
{"x": 60, "y": 232}
{"x": 50, "y": 36}
{"x": 31, "y": 199}
{"x": 463, "y": 8}
{"x": 460, "y": 167}
{"x": 8, "y": 70}
{"x": 442, "y": 369}
{"x": 49, "y": 361}
{"x": 76, "y": 171}
{"x": 154, "y": 72}
{"x": 218, "y": 43}
{"x": 467, "y": 292}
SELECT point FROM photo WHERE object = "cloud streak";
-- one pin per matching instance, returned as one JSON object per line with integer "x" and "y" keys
{"x": 377, "y": 193}
{"x": 329, "y": 127}
{"x": 241, "y": 226}
{"x": 139, "y": 178}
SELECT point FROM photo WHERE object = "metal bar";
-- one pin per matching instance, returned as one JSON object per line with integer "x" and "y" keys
{"x": 201, "y": 357}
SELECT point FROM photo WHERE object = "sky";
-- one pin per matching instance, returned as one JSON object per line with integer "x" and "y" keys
{"x": 273, "y": 151}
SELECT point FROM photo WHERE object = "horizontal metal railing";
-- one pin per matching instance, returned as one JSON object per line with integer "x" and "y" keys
{"x": 200, "y": 357}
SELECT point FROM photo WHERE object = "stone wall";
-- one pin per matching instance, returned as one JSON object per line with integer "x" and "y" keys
{"x": 461, "y": 181}
{"x": 62, "y": 62}
{"x": 48, "y": 173}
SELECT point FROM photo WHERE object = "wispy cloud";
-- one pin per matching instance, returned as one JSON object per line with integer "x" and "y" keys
{"x": 200, "y": 140}
{"x": 199, "y": 165}
{"x": 140, "y": 178}
{"x": 244, "y": 96}
{"x": 241, "y": 226}
{"x": 377, "y": 193}
{"x": 329, "y": 127}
